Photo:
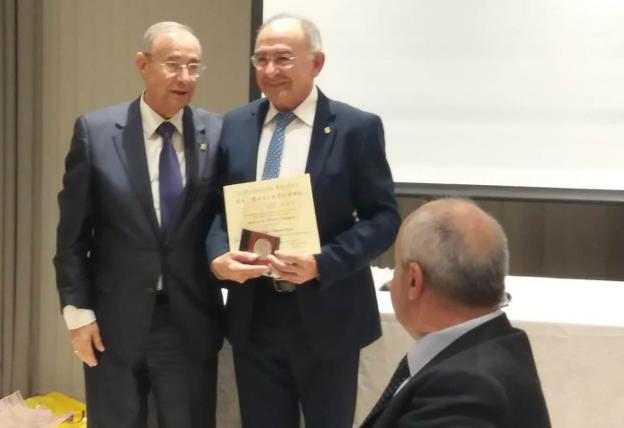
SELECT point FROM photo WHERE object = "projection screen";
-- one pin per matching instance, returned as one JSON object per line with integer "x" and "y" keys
{"x": 482, "y": 92}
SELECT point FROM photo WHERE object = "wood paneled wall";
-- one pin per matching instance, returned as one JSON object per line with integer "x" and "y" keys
{"x": 554, "y": 239}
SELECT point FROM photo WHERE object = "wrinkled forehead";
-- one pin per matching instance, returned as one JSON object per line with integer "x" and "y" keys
{"x": 274, "y": 49}
{"x": 177, "y": 44}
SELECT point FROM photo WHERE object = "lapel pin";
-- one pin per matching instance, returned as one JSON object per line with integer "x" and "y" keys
{"x": 327, "y": 130}
{"x": 203, "y": 147}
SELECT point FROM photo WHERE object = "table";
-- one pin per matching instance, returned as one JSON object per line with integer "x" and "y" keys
{"x": 576, "y": 329}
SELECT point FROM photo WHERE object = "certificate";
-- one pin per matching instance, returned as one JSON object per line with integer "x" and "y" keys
{"x": 282, "y": 207}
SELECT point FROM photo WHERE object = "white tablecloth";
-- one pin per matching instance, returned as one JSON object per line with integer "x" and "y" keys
{"x": 576, "y": 328}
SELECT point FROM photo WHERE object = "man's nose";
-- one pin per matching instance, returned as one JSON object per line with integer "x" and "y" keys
{"x": 183, "y": 74}
{"x": 271, "y": 69}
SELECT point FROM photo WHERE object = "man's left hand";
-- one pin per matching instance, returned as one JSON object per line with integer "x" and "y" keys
{"x": 293, "y": 268}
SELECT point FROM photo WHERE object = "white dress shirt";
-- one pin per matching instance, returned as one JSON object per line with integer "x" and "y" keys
{"x": 432, "y": 344}
{"x": 297, "y": 137}
{"x": 153, "y": 146}
{"x": 76, "y": 317}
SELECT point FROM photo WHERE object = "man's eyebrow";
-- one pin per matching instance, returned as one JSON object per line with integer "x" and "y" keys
{"x": 277, "y": 51}
{"x": 175, "y": 57}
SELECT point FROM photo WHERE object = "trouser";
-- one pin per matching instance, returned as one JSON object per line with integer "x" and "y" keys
{"x": 278, "y": 371}
{"x": 184, "y": 389}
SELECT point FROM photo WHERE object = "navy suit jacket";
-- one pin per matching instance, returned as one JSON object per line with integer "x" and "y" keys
{"x": 111, "y": 250}
{"x": 486, "y": 378}
{"x": 350, "y": 177}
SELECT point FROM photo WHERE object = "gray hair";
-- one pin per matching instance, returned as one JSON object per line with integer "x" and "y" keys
{"x": 164, "y": 27}
{"x": 464, "y": 257}
{"x": 310, "y": 30}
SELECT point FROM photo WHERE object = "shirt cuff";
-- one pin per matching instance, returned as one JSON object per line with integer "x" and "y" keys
{"x": 76, "y": 318}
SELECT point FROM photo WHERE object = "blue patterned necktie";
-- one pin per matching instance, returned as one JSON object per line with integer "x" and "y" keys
{"x": 169, "y": 177}
{"x": 276, "y": 146}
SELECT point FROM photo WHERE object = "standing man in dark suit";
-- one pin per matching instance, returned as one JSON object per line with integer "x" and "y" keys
{"x": 297, "y": 340}
{"x": 470, "y": 367}
{"x": 132, "y": 272}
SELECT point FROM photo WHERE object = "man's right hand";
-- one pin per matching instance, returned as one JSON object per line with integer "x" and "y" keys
{"x": 234, "y": 266}
{"x": 84, "y": 339}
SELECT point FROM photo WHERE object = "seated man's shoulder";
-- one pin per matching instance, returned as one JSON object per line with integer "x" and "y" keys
{"x": 487, "y": 381}
{"x": 500, "y": 357}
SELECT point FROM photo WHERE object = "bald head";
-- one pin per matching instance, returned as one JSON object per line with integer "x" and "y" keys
{"x": 461, "y": 250}
{"x": 167, "y": 27}
{"x": 285, "y": 20}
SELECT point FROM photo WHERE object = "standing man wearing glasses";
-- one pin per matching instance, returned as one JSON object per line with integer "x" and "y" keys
{"x": 131, "y": 267}
{"x": 297, "y": 341}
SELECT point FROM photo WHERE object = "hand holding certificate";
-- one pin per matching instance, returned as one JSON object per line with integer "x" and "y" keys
{"x": 275, "y": 221}
{"x": 282, "y": 208}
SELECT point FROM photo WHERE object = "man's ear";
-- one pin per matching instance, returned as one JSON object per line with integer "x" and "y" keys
{"x": 319, "y": 61}
{"x": 416, "y": 284}
{"x": 140, "y": 60}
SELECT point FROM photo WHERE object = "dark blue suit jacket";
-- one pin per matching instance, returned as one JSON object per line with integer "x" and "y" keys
{"x": 111, "y": 250}
{"x": 485, "y": 379}
{"x": 356, "y": 214}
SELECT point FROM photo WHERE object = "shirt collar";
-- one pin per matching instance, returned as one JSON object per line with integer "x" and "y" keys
{"x": 152, "y": 120}
{"x": 305, "y": 111}
{"x": 432, "y": 344}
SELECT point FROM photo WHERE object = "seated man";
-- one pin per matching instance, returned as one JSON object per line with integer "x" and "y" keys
{"x": 470, "y": 367}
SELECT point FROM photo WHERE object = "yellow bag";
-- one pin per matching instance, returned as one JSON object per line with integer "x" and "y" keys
{"x": 61, "y": 404}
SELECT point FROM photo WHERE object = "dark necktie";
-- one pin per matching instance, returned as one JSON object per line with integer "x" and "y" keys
{"x": 169, "y": 177}
{"x": 276, "y": 146}
{"x": 397, "y": 379}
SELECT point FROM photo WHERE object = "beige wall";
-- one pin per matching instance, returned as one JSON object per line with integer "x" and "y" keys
{"x": 88, "y": 62}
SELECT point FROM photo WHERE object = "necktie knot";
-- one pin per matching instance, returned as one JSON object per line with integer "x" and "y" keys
{"x": 283, "y": 119}
{"x": 400, "y": 374}
{"x": 166, "y": 130}
{"x": 276, "y": 145}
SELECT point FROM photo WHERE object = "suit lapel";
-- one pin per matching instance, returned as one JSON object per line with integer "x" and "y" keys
{"x": 194, "y": 136}
{"x": 251, "y": 132}
{"x": 324, "y": 133}
{"x": 130, "y": 146}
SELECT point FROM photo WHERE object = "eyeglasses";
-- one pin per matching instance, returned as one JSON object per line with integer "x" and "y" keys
{"x": 506, "y": 300}
{"x": 282, "y": 61}
{"x": 194, "y": 69}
